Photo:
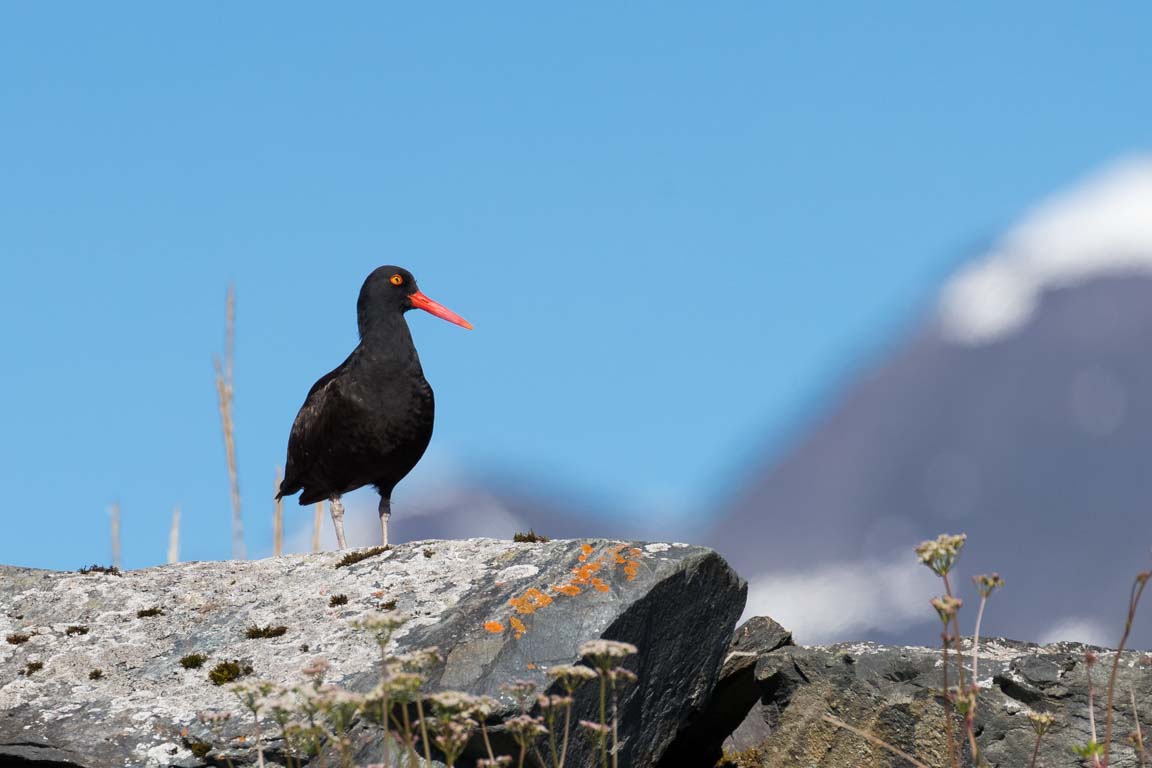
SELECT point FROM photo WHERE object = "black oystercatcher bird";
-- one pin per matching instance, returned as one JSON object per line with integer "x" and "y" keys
{"x": 369, "y": 421}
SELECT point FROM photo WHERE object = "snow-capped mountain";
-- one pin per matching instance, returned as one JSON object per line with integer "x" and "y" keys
{"x": 1018, "y": 411}
{"x": 1102, "y": 227}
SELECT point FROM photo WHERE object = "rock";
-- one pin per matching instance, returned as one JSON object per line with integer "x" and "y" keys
{"x": 498, "y": 611}
{"x": 736, "y": 694}
{"x": 892, "y": 692}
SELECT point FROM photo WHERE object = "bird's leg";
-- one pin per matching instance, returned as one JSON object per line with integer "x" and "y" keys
{"x": 385, "y": 513}
{"x": 338, "y": 520}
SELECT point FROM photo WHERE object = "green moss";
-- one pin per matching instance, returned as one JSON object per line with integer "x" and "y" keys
{"x": 337, "y": 600}
{"x": 529, "y": 538}
{"x": 147, "y": 613}
{"x": 18, "y": 638}
{"x": 354, "y": 557}
{"x": 228, "y": 671}
{"x": 198, "y": 748}
{"x": 753, "y": 757}
{"x": 256, "y": 632}
{"x": 76, "y": 629}
{"x": 388, "y": 606}
{"x": 32, "y": 668}
{"x": 95, "y": 674}
{"x": 108, "y": 570}
{"x": 193, "y": 661}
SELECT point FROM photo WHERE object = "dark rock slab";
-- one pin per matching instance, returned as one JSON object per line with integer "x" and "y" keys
{"x": 735, "y": 696}
{"x": 892, "y": 692}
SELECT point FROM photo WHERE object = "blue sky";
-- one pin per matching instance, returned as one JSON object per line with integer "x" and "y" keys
{"x": 674, "y": 226}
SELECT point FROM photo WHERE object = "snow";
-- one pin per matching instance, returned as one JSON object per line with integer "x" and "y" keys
{"x": 1103, "y": 226}
{"x": 831, "y": 601}
{"x": 1078, "y": 629}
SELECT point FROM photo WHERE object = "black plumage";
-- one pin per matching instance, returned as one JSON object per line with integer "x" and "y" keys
{"x": 369, "y": 421}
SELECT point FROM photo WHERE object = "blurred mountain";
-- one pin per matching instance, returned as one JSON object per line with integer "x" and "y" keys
{"x": 500, "y": 508}
{"x": 492, "y": 507}
{"x": 1018, "y": 411}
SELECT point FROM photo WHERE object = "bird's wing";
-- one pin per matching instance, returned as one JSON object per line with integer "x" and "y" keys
{"x": 318, "y": 416}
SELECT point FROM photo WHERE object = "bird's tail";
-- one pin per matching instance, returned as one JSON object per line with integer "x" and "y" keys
{"x": 287, "y": 488}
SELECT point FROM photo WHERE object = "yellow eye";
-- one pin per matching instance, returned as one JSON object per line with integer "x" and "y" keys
{"x": 396, "y": 280}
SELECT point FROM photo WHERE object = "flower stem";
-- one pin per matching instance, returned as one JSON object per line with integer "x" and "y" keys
{"x": 970, "y": 714}
{"x": 487, "y": 743}
{"x": 615, "y": 726}
{"x": 424, "y": 730}
{"x": 976, "y": 640}
{"x": 552, "y": 736}
{"x": 603, "y": 718}
{"x": 955, "y": 633}
{"x": 259, "y": 741}
{"x": 384, "y": 709}
{"x": 948, "y": 703}
{"x": 1133, "y": 601}
{"x": 1035, "y": 752}
{"x": 1140, "y": 751}
{"x": 1092, "y": 712}
{"x": 567, "y": 726}
{"x": 409, "y": 737}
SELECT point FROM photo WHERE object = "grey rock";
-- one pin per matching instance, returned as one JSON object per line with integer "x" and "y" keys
{"x": 676, "y": 602}
{"x": 893, "y": 693}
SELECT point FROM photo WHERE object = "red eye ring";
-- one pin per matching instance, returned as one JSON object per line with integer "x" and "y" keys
{"x": 396, "y": 280}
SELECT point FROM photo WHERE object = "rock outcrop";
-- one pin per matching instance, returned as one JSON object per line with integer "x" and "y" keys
{"x": 91, "y": 672}
{"x": 102, "y": 669}
{"x": 893, "y": 693}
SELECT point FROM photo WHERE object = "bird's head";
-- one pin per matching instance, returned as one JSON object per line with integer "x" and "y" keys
{"x": 393, "y": 290}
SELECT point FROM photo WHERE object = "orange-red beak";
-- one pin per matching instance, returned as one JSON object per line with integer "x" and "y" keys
{"x": 420, "y": 301}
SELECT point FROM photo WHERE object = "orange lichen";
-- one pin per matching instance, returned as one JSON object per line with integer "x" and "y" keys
{"x": 594, "y": 571}
{"x": 530, "y": 602}
{"x": 530, "y": 665}
{"x": 584, "y": 573}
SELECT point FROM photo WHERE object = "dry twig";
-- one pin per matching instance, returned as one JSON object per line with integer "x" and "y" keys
{"x": 278, "y": 518}
{"x": 225, "y": 393}
{"x": 174, "y": 536}
{"x": 114, "y": 525}
{"x": 874, "y": 740}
